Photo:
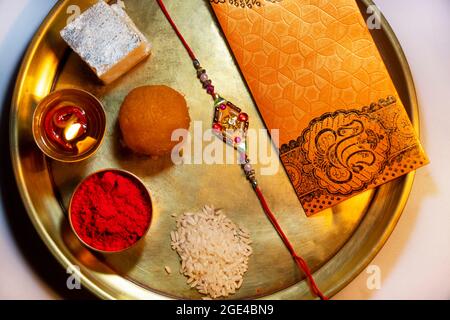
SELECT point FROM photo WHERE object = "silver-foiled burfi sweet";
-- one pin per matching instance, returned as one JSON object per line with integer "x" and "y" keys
{"x": 107, "y": 40}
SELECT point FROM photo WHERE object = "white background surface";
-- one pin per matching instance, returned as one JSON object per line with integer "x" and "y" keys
{"x": 415, "y": 262}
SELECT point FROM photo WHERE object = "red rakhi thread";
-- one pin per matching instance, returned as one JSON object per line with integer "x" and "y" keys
{"x": 174, "y": 26}
{"x": 249, "y": 172}
{"x": 298, "y": 260}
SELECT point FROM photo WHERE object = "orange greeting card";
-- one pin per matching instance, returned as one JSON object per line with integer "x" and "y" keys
{"x": 317, "y": 76}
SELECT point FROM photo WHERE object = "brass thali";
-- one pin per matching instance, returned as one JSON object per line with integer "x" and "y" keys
{"x": 338, "y": 243}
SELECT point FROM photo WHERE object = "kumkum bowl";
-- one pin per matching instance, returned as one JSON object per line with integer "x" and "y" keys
{"x": 139, "y": 183}
{"x": 96, "y": 126}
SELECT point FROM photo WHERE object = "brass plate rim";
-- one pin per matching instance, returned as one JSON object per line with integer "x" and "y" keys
{"x": 103, "y": 294}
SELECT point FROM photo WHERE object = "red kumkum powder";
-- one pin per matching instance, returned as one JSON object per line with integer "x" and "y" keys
{"x": 110, "y": 211}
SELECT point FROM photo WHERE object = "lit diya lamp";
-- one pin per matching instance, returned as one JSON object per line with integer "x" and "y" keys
{"x": 69, "y": 125}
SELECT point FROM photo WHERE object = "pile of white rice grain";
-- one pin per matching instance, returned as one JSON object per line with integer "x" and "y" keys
{"x": 214, "y": 251}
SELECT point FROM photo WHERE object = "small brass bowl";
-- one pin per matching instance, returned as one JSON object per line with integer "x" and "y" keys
{"x": 139, "y": 183}
{"x": 96, "y": 126}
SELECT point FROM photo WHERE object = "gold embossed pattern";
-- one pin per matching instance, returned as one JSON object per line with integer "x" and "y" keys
{"x": 346, "y": 152}
{"x": 304, "y": 59}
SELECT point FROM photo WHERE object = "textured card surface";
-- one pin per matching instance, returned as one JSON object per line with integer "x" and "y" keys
{"x": 317, "y": 76}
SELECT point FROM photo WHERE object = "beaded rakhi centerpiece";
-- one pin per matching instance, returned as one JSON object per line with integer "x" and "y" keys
{"x": 230, "y": 124}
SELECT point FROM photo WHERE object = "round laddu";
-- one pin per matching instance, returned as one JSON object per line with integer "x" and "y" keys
{"x": 148, "y": 117}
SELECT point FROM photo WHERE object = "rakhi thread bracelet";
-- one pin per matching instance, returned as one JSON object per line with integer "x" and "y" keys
{"x": 231, "y": 124}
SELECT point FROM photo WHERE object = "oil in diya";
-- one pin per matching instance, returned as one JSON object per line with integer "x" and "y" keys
{"x": 69, "y": 125}
{"x": 66, "y": 126}
{"x": 110, "y": 211}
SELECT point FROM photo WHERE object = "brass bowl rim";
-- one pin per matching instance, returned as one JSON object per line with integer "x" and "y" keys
{"x": 86, "y": 155}
{"x": 128, "y": 174}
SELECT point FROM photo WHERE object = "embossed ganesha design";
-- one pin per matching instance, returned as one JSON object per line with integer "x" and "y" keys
{"x": 347, "y": 150}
